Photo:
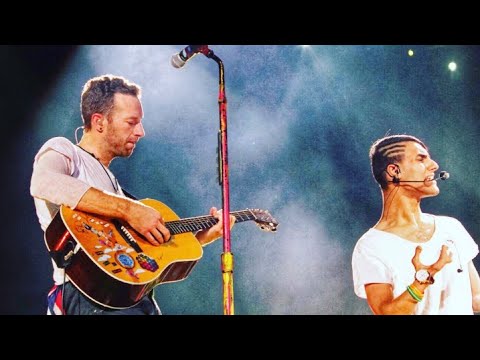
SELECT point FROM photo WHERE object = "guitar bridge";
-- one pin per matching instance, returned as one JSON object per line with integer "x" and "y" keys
{"x": 127, "y": 236}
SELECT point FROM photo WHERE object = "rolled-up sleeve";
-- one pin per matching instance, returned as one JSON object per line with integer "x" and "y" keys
{"x": 52, "y": 178}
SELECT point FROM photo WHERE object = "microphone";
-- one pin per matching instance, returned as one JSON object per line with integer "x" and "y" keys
{"x": 442, "y": 176}
{"x": 179, "y": 59}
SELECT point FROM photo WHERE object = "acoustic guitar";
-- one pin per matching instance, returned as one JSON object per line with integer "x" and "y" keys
{"x": 113, "y": 265}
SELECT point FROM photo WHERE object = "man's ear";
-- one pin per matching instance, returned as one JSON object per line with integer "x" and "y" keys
{"x": 97, "y": 122}
{"x": 393, "y": 170}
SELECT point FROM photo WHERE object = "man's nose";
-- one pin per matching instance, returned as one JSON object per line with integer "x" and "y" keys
{"x": 139, "y": 130}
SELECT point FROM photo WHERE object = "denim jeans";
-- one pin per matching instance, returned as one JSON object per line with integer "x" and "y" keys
{"x": 75, "y": 303}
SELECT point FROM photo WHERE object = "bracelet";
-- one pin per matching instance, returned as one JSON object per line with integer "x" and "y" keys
{"x": 415, "y": 293}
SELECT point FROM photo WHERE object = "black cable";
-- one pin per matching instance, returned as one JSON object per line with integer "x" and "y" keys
{"x": 64, "y": 312}
{"x": 115, "y": 187}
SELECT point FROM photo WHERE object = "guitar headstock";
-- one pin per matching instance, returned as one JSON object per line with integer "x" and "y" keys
{"x": 264, "y": 220}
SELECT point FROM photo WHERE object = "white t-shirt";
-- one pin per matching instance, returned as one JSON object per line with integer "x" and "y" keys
{"x": 382, "y": 257}
{"x": 63, "y": 179}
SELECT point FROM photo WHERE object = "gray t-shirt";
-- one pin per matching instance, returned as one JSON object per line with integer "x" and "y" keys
{"x": 62, "y": 173}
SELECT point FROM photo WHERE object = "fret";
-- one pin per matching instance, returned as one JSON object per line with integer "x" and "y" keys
{"x": 204, "y": 222}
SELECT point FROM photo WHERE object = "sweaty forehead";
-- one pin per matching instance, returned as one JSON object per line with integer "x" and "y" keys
{"x": 414, "y": 148}
{"x": 129, "y": 105}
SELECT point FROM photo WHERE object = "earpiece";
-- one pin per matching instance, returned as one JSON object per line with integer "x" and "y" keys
{"x": 395, "y": 178}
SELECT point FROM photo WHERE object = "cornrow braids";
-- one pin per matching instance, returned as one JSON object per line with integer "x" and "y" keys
{"x": 388, "y": 150}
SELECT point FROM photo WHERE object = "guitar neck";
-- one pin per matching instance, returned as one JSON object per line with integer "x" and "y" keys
{"x": 203, "y": 222}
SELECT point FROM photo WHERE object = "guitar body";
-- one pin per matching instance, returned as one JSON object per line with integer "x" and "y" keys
{"x": 110, "y": 263}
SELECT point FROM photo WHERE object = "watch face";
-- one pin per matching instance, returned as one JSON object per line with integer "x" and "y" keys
{"x": 422, "y": 275}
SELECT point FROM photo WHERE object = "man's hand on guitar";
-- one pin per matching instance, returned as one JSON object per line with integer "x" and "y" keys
{"x": 209, "y": 235}
{"x": 148, "y": 222}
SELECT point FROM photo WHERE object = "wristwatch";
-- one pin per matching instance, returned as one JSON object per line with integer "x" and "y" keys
{"x": 424, "y": 277}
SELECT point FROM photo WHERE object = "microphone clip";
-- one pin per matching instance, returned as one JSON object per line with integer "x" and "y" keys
{"x": 178, "y": 60}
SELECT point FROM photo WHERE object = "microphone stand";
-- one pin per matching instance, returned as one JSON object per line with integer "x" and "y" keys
{"x": 227, "y": 255}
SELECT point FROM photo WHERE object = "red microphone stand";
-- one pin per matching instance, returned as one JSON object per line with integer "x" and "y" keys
{"x": 227, "y": 256}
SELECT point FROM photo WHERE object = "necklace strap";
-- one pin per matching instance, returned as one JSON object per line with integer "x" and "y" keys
{"x": 115, "y": 184}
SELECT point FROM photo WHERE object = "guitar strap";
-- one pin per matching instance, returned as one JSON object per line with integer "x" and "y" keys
{"x": 128, "y": 194}
{"x": 63, "y": 256}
